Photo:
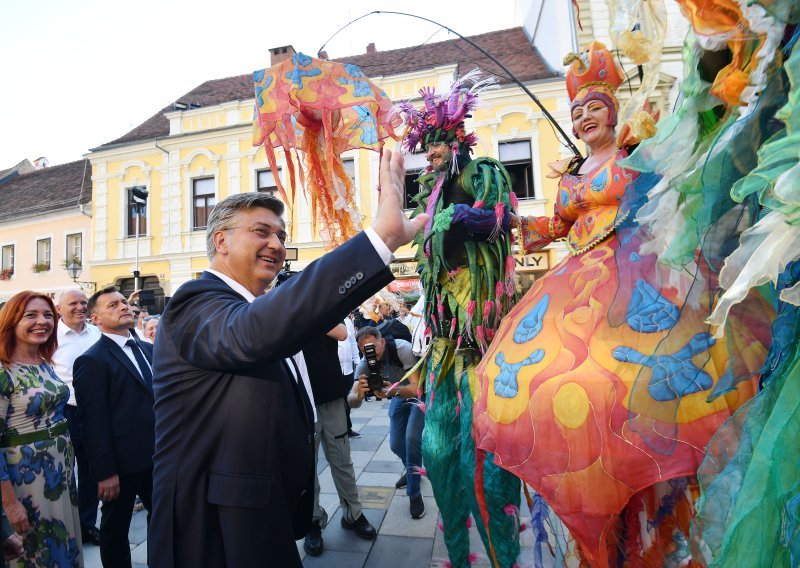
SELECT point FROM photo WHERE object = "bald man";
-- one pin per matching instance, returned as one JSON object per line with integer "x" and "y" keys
{"x": 75, "y": 336}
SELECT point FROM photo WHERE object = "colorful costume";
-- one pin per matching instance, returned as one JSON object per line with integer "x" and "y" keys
{"x": 604, "y": 384}
{"x": 465, "y": 266}
{"x": 322, "y": 108}
{"x": 749, "y": 510}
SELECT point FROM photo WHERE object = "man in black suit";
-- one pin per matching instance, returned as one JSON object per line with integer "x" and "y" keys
{"x": 113, "y": 383}
{"x": 234, "y": 462}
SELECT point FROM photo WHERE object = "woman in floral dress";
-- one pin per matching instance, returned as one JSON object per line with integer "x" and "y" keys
{"x": 36, "y": 458}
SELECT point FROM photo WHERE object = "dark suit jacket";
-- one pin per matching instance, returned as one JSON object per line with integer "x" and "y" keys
{"x": 115, "y": 410}
{"x": 234, "y": 462}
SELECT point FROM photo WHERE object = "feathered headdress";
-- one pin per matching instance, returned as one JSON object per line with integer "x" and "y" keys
{"x": 442, "y": 118}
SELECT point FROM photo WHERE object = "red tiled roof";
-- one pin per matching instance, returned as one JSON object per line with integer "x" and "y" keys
{"x": 510, "y": 46}
{"x": 46, "y": 190}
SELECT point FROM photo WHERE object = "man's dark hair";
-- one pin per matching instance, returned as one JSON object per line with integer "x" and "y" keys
{"x": 368, "y": 331}
{"x": 93, "y": 298}
{"x": 391, "y": 346}
{"x": 224, "y": 213}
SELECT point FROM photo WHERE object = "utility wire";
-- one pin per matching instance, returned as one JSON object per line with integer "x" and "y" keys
{"x": 566, "y": 140}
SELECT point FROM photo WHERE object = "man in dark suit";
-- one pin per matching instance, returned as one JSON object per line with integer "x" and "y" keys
{"x": 113, "y": 385}
{"x": 234, "y": 462}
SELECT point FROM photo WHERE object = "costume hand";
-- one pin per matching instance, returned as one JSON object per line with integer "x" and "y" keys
{"x": 108, "y": 489}
{"x": 17, "y": 516}
{"x": 390, "y": 222}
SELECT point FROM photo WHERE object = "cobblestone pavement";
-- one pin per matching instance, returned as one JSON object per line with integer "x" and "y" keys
{"x": 402, "y": 542}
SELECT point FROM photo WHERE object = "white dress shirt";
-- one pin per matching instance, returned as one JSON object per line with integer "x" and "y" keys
{"x": 122, "y": 341}
{"x": 71, "y": 345}
{"x": 348, "y": 349}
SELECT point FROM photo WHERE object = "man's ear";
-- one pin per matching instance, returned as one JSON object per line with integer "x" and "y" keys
{"x": 93, "y": 318}
{"x": 221, "y": 242}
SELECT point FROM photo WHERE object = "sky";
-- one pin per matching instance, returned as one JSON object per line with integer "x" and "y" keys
{"x": 79, "y": 73}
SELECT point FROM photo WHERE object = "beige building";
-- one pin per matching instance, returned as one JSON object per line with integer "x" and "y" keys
{"x": 45, "y": 225}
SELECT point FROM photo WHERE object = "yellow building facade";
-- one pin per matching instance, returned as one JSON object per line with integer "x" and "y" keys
{"x": 198, "y": 150}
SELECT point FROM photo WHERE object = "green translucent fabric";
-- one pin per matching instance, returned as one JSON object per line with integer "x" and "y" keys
{"x": 749, "y": 511}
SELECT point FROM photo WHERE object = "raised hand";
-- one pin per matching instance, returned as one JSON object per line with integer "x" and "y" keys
{"x": 391, "y": 222}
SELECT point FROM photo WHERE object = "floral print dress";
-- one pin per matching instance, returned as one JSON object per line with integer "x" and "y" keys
{"x": 32, "y": 398}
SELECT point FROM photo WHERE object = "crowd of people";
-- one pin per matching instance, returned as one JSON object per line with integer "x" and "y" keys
{"x": 78, "y": 388}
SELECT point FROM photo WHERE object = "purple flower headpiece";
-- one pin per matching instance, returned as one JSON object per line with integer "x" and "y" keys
{"x": 442, "y": 118}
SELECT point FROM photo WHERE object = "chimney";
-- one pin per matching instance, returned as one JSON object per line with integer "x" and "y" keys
{"x": 371, "y": 49}
{"x": 41, "y": 163}
{"x": 278, "y": 54}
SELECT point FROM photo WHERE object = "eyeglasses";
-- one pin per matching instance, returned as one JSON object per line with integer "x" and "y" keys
{"x": 136, "y": 313}
{"x": 262, "y": 232}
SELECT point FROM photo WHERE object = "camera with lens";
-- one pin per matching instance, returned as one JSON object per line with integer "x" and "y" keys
{"x": 374, "y": 368}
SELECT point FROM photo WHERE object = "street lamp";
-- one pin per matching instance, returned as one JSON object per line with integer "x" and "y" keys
{"x": 73, "y": 269}
{"x": 138, "y": 204}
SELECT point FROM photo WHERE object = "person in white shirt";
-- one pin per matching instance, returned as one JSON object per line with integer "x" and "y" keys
{"x": 348, "y": 358}
{"x": 75, "y": 336}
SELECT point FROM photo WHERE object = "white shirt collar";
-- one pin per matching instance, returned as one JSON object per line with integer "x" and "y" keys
{"x": 246, "y": 294}
{"x": 120, "y": 340}
{"x": 65, "y": 329}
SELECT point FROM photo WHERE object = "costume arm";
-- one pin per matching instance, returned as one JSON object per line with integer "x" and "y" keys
{"x": 91, "y": 392}
{"x": 538, "y": 232}
{"x": 482, "y": 223}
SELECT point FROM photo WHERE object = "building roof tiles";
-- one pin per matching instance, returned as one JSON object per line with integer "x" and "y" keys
{"x": 512, "y": 47}
{"x": 46, "y": 190}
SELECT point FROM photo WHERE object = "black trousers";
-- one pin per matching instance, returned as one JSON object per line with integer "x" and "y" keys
{"x": 87, "y": 487}
{"x": 348, "y": 379}
{"x": 116, "y": 520}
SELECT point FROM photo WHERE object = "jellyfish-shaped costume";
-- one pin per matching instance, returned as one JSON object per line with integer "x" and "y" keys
{"x": 321, "y": 108}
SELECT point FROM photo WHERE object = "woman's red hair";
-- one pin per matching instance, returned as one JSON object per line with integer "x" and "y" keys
{"x": 11, "y": 315}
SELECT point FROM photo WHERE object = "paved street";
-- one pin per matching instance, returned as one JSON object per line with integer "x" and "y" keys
{"x": 401, "y": 542}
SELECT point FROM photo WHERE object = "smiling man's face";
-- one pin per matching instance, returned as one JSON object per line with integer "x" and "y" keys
{"x": 251, "y": 250}
{"x": 438, "y": 156}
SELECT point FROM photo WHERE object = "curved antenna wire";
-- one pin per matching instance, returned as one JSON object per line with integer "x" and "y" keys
{"x": 567, "y": 142}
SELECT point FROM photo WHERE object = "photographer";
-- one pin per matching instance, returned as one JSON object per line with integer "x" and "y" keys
{"x": 385, "y": 366}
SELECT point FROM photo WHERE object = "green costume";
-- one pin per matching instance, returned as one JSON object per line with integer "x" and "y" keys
{"x": 466, "y": 269}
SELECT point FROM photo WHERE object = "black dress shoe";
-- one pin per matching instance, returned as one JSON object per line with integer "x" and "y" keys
{"x": 361, "y": 526}
{"x": 313, "y": 542}
{"x": 403, "y": 481}
{"x": 353, "y": 434}
{"x": 90, "y": 535}
{"x": 417, "y": 507}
